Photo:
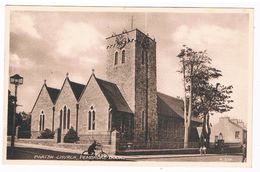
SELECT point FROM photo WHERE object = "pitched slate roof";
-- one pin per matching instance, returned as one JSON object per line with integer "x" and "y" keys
{"x": 76, "y": 88}
{"x": 170, "y": 105}
{"x": 53, "y": 93}
{"x": 113, "y": 96}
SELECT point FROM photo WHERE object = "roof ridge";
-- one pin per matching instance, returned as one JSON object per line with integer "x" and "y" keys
{"x": 52, "y": 88}
{"x": 75, "y": 82}
{"x": 169, "y": 96}
{"x": 236, "y": 124}
{"x": 105, "y": 81}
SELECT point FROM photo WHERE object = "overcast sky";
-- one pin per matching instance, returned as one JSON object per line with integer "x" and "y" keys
{"x": 48, "y": 44}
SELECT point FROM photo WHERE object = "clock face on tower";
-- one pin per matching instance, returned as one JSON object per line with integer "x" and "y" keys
{"x": 120, "y": 41}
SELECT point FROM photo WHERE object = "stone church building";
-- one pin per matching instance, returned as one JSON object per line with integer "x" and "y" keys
{"x": 127, "y": 102}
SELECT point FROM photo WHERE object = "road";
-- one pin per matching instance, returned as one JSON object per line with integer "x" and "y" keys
{"x": 41, "y": 154}
{"x": 187, "y": 158}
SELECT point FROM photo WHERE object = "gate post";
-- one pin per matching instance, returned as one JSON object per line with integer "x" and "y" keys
{"x": 115, "y": 139}
{"x": 57, "y": 135}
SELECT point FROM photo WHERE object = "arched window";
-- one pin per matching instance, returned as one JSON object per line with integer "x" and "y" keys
{"x": 64, "y": 117}
{"x": 42, "y": 120}
{"x": 60, "y": 118}
{"x": 143, "y": 120}
{"x": 91, "y": 118}
{"x": 123, "y": 56}
{"x": 68, "y": 119}
{"x": 116, "y": 58}
{"x": 143, "y": 57}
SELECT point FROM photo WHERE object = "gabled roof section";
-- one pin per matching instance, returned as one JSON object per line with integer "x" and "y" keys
{"x": 53, "y": 93}
{"x": 113, "y": 96}
{"x": 76, "y": 88}
{"x": 237, "y": 125}
{"x": 173, "y": 105}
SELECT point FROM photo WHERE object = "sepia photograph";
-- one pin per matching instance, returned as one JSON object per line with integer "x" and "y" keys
{"x": 160, "y": 85}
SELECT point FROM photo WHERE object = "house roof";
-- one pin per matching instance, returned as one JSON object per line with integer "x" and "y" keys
{"x": 77, "y": 88}
{"x": 171, "y": 105}
{"x": 237, "y": 125}
{"x": 53, "y": 93}
{"x": 113, "y": 96}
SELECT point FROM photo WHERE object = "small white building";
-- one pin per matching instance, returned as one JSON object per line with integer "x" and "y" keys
{"x": 230, "y": 130}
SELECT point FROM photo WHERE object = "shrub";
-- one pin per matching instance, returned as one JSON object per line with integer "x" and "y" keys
{"x": 46, "y": 134}
{"x": 71, "y": 136}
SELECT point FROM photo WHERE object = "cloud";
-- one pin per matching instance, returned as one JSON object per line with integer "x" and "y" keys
{"x": 78, "y": 39}
{"x": 22, "y": 23}
{"x": 18, "y": 62}
{"x": 204, "y": 36}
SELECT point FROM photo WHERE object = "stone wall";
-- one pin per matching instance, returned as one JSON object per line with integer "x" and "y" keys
{"x": 145, "y": 88}
{"x": 44, "y": 104}
{"x": 66, "y": 98}
{"x": 93, "y": 96}
{"x": 123, "y": 74}
{"x": 136, "y": 81}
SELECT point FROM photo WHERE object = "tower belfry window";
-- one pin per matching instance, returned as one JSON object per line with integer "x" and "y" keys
{"x": 123, "y": 56}
{"x": 116, "y": 58}
{"x": 144, "y": 56}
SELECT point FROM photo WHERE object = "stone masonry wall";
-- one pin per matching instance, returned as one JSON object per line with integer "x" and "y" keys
{"x": 44, "y": 104}
{"x": 66, "y": 98}
{"x": 145, "y": 78}
{"x": 131, "y": 79}
{"x": 123, "y": 74}
{"x": 93, "y": 96}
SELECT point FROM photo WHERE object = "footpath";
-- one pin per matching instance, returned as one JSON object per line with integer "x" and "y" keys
{"x": 134, "y": 155}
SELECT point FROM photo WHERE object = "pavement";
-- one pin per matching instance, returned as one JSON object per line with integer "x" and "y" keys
{"x": 128, "y": 157}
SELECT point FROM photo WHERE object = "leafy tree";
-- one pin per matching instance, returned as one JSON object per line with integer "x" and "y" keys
{"x": 201, "y": 97}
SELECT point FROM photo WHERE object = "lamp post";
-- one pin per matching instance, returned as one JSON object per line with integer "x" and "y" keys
{"x": 15, "y": 80}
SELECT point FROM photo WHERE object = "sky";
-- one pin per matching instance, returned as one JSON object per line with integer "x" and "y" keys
{"x": 48, "y": 44}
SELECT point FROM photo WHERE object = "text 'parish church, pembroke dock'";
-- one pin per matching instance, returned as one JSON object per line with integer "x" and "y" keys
{"x": 127, "y": 102}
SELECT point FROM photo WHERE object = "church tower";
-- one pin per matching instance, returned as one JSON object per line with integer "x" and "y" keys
{"x": 131, "y": 64}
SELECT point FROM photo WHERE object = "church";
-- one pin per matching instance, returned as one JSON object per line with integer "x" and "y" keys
{"x": 127, "y": 101}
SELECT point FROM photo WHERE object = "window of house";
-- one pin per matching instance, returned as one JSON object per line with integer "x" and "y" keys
{"x": 91, "y": 119}
{"x": 42, "y": 120}
{"x": 116, "y": 58}
{"x": 237, "y": 135}
{"x": 123, "y": 56}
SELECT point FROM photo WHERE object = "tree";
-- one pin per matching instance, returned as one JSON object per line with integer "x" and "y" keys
{"x": 210, "y": 98}
{"x": 201, "y": 97}
{"x": 191, "y": 63}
